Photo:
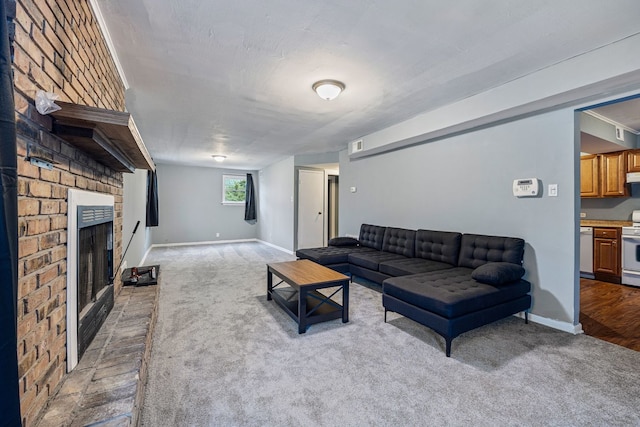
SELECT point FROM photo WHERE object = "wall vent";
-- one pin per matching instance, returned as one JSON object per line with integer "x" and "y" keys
{"x": 357, "y": 146}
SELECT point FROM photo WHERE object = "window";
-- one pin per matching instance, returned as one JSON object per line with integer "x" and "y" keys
{"x": 233, "y": 189}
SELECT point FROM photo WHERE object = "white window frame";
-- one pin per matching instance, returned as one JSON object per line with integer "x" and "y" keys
{"x": 224, "y": 192}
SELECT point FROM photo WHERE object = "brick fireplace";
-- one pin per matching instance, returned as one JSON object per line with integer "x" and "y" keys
{"x": 57, "y": 46}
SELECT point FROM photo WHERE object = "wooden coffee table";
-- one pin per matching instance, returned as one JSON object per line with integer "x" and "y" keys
{"x": 301, "y": 299}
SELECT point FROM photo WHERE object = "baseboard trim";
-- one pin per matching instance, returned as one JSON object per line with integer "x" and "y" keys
{"x": 210, "y": 242}
{"x": 146, "y": 254}
{"x": 276, "y": 247}
{"x": 555, "y": 324}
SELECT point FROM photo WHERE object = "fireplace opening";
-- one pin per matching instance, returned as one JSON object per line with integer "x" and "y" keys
{"x": 95, "y": 270}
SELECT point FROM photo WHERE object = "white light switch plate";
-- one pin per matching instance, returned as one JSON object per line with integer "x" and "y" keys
{"x": 553, "y": 190}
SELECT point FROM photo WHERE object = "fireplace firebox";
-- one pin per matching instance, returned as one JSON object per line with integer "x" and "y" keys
{"x": 95, "y": 269}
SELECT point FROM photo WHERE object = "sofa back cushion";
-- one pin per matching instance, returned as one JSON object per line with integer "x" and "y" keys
{"x": 371, "y": 236}
{"x": 477, "y": 250}
{"x": 441, "y": 246}
{"x": 399, "y": 241}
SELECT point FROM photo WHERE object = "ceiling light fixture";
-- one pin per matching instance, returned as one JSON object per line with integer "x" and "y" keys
{"x": 328, "y": 89}
{"x": 219, "y": 158}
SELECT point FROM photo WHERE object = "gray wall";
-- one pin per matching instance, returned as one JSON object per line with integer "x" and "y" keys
{"x": 276, "y": 201}
{"x": 191, "y": 209}
{"x": 613, "y": 208}
{"x": 606, "y": 131}
{"x": 134, "y": 198}
{"x": 464, "y": 183}
{"x": 316, "y": 159}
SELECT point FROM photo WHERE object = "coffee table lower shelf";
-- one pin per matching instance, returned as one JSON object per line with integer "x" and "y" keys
{"x": 319, "y": 308}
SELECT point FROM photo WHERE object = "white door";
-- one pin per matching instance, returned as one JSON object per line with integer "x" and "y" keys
{"x": 310, "y": 208}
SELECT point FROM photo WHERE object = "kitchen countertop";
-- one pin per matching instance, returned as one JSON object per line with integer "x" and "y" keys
{"x": 604, "y": 223}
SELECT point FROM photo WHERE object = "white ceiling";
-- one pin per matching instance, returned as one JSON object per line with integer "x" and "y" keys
{"x": 234, "y": 77}
{"x": 626, "y": 113}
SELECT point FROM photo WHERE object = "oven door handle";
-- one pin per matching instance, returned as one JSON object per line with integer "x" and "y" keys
{"x": 631, "y": 238}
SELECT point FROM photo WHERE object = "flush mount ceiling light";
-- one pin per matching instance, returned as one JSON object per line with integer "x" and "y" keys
{"x": 328, "y": 89}
{"x": 219, "y": 158}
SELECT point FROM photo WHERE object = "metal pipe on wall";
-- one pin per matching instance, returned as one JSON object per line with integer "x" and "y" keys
{"x": 9, "y": 392}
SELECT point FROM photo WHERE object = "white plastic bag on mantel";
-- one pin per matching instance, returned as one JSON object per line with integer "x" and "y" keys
{"x": 45, "y": 102}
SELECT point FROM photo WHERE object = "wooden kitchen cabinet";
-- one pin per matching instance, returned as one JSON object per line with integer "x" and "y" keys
{"x": 613, "y": 174}
{"x": 607, "y": 254}
{"x": 604, "y": 175}
{"x": 589, "y": 176}
{"x": 633, "y": 161}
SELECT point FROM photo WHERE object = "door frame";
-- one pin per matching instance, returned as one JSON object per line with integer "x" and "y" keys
{"x": 296, "y": 189}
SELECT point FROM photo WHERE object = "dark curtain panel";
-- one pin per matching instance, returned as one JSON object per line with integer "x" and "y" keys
{"x": 250, "y": 200}
{"x": 152, "y": 199}
{"x": 9, "y": 396}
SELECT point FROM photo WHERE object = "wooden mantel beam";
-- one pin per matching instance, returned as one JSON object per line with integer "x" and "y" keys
{"x": 110, "y": 137}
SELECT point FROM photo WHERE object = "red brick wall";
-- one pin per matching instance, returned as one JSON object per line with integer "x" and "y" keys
{"x": 57, "y": 47}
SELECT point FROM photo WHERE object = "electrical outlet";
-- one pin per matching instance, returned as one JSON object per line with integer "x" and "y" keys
{"x": 217, "y": 234}
{"x": 583, "y": 214}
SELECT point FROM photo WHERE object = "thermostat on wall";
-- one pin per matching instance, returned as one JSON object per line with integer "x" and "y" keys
{"x": 525, "y": 187}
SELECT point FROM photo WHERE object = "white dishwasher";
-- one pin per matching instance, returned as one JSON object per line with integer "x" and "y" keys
{"x": 586, "y": 252}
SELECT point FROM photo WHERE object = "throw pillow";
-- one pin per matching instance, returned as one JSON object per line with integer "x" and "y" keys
{"x": 498, "y": 273}
{"x": 343, "y": 241}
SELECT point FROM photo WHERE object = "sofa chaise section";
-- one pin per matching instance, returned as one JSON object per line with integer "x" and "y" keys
{"x": 485, "y": 286}
{"x": 336, "y": 255}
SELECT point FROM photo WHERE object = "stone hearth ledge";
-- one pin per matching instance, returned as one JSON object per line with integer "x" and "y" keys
{"x": 107, "y": 387}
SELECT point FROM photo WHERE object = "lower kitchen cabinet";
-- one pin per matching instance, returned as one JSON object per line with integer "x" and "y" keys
{"x": 607, "y": 254}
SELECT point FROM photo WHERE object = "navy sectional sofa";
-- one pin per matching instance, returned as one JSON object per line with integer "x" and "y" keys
{"x": 447, "y": 281}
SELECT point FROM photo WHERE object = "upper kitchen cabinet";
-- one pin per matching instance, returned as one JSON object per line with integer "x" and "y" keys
{"x": 589, "y": 176}
{"x": 613, "y": 172}
{"x": 633, "y": 161}
{"x": 604, "y": 175}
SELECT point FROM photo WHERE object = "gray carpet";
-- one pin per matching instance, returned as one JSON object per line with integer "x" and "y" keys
{"x": 223, "y": 355}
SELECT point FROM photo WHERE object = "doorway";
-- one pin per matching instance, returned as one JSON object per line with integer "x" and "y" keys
{"x": 608, "y": 134}
{"x": 333, "y": 182}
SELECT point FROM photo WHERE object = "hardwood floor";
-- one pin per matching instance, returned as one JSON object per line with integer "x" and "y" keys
{"x": 611, "y": 312}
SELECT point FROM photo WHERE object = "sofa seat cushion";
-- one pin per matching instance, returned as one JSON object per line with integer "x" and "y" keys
{"x": 331, "y": 254}
{"x": 451, "y": 293}
{"x": 371, "y": 260}
{"x": 404, "y": 267}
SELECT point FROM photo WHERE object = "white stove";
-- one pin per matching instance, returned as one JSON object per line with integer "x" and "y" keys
{"x": 631, "y": 252}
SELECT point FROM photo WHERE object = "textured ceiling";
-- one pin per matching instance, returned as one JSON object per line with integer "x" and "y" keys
{"x": 626, "y": 113}
{"x": 234, "y": 77}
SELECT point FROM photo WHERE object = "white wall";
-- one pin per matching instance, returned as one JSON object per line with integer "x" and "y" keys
{"x": 464, "y": 183}
{"x": 134, "y": 196}
{"x": 191, "y": 209}
{"x": 276, "y": 202}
